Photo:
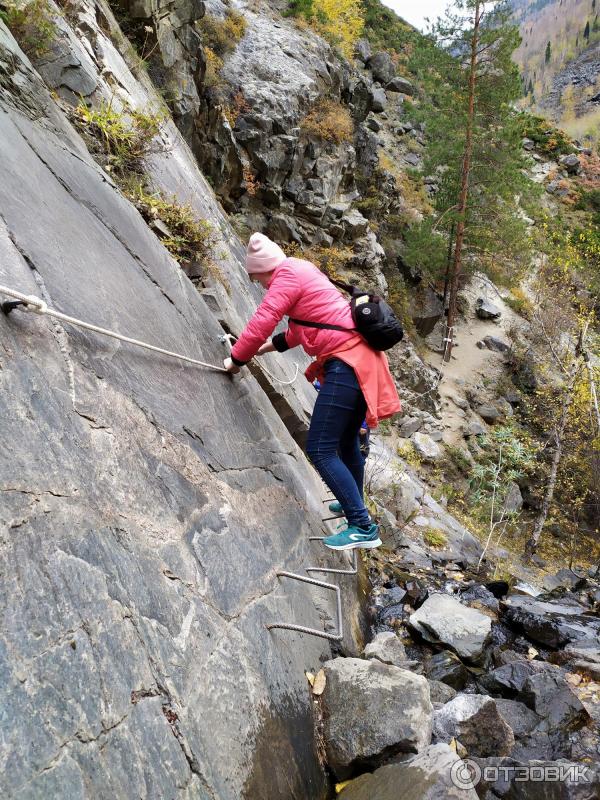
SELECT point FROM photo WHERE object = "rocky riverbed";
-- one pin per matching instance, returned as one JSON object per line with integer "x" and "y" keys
{"x": 471, "y": 687}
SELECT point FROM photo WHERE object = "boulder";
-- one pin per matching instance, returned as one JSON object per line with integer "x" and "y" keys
{"x": 387, "y": 648}
{"x": 522, "y": 720}
{"x": 373, "y": 124}
{"x": 410, "y": 425}
{"x": 399, "y": 84}
{"x": 355, "y": 225}
{"x": 363, "y": 50}
{"x": 509, "y": 680}
{"x": 378, "y": 99}
{"x": 382, "y": 67}
{"x": 372, "y": 709}
{"x": 443, "y": 619}
{"x": 446, "y": 667}
{"x": 474, "y": 429}
{"x": 425, "y": 776}
{"x": 571, "y": 163}
{"x": 552, "y": 623}
{"x": 407, "y": 497}
{"x": 485, "y": 309}
{"x": 488, "y": 413}
{"x": 527, "y": 144}
{"x": 495, "y": 344}
{"x": 475, "y": 721}
{"x": 550, "y": 696}
{"x": 481, "y": 598}
{"x": 425, "y": 447}
{"x": 440, "y": 693}
{"x": 564, "y": 578}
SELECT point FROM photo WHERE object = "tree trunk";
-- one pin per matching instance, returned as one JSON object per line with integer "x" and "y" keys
{"x": 464, "y": 187}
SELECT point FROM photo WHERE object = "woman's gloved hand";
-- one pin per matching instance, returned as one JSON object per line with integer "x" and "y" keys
{"x": 230, "y": 366}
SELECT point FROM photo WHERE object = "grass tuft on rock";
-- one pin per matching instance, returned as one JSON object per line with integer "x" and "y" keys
{"x": 124, "y": 138}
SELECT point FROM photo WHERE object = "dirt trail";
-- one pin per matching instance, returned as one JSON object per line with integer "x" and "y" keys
{"x": 470, "y": 366}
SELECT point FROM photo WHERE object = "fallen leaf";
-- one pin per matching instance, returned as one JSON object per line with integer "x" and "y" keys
{"x": 340, "y": 786}
{"x": 310, "y": 678}
{"x": 319, "y": 683}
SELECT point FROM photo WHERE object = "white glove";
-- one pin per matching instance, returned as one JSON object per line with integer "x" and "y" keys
{"x": 230, "y": 366}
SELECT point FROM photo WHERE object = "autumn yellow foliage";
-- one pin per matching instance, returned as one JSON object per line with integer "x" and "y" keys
{"x": 329, "y": 120}
{"x": 341, "y": 22}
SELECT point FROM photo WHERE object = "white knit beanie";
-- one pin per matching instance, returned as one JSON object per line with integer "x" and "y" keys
{"x": 262, "y": 254}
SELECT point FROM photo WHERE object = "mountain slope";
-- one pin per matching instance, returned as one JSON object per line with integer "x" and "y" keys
{"x": 559, "y": 57}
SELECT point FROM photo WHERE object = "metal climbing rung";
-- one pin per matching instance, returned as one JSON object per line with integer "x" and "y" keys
{"x": 334, "y": 637}
{"x": 352, "y": 571}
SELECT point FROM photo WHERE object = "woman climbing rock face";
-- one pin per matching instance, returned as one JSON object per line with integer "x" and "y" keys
{"x": 356, "y": 383}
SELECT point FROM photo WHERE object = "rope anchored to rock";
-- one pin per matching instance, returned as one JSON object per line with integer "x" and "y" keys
{"x": 36, "y": 305}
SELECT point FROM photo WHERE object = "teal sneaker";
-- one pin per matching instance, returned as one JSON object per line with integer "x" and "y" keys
{"x": 353, "y": 537}
{"x": 336, "y": 508}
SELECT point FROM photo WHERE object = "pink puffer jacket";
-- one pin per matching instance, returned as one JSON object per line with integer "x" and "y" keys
{"x": 298, "y": 289}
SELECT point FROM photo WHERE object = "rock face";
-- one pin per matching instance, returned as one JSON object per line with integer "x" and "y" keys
{"x": 444, "y": 619}
{"x": 425, "y": 776}
{"x": 145, "y": 504}
{"x": 371, "y": 709}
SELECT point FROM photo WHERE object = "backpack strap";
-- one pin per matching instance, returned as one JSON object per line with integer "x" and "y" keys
{"x": 321, "y": 325}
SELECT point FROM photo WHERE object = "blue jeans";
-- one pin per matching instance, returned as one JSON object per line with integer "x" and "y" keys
{"x": 332, "y": 444}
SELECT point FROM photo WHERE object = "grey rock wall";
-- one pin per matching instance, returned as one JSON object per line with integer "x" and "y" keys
{"x": 145, "y": 505}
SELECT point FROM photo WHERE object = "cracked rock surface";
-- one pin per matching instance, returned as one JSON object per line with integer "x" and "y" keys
{"x": 145, "y": 507}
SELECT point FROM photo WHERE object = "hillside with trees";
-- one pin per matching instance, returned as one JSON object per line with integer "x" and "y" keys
{"x": 559, "y": 60}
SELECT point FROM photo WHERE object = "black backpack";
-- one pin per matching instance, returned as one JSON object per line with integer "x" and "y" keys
{"x": 372, "y": 316}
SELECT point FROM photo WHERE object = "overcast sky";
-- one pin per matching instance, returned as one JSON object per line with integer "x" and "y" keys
{"x": 415, "y": 12}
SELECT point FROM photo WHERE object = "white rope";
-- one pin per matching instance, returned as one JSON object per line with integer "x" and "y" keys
{"x": 39, "y": 306}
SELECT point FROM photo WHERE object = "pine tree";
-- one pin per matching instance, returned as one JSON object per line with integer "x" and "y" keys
{"x": 473, "y": 143}
{"x": 548, "y": 55}
{"x": 593, "y": 5}
{"x": 586, "y": 32}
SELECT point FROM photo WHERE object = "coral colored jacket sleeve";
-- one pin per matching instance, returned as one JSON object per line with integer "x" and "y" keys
{"x": 283, "y": 292}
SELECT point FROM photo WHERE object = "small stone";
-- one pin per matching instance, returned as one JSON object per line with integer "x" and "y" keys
{"x": 425, "y": 447}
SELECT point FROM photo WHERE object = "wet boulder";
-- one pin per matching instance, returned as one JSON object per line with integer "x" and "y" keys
{"x": 370, "y": 710}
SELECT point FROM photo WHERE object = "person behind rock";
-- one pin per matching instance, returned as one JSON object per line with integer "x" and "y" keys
{"x": 356, "y": 380}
